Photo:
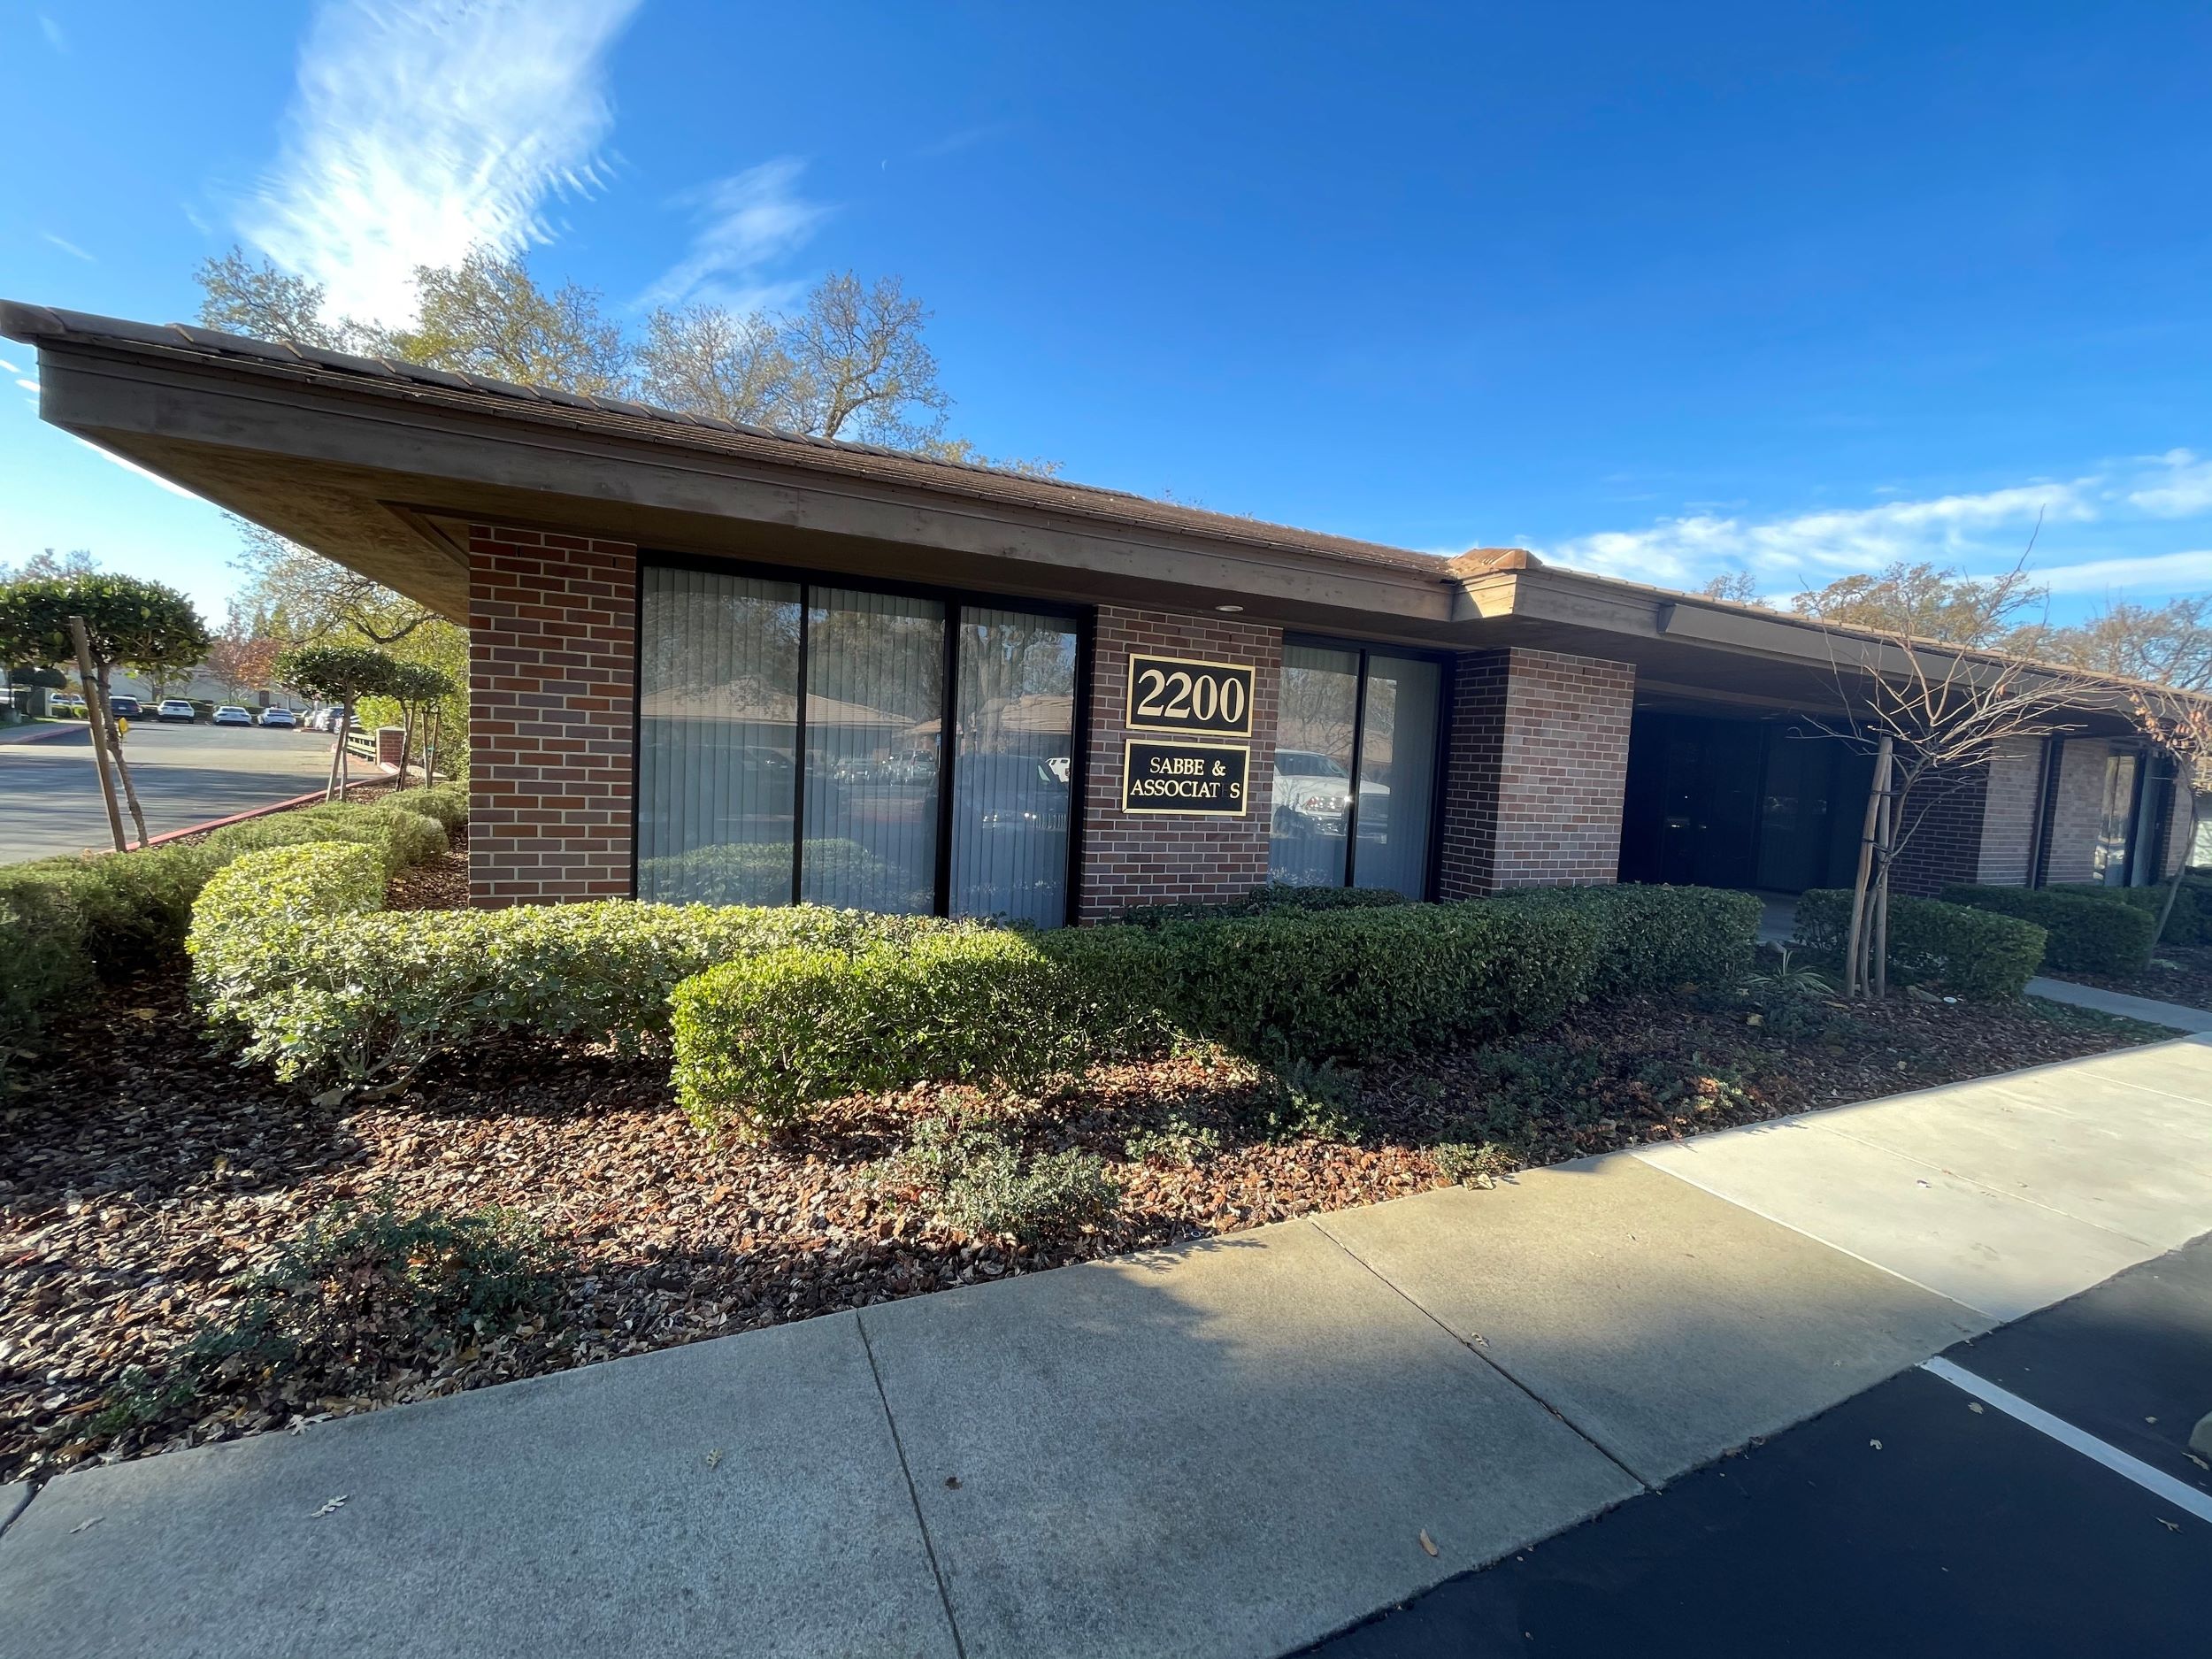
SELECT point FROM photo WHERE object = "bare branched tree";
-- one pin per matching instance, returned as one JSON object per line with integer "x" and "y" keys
{"x": 1931, "y": 716}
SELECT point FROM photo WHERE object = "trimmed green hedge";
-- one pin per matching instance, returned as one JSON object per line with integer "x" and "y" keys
{"x": 363, "y": 996}
{"x": 1658, "y": 939}
{"x": 66, "y": 922}
{"x": 759, "y": 1039}
{"x": 1267, "y": 900}
{"x": 2094, "y": 932}
{"x": 402, "y": 837}
{"x": 2191, "y": 923}
{"x": 1973, "y": 953}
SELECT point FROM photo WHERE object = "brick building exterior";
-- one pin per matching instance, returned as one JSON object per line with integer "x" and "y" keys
{"x": 1538, "y": 755}
{"x": 1131, "y": 861}
{"x": 537, "y": 517}
{"x": 552, "y": 687}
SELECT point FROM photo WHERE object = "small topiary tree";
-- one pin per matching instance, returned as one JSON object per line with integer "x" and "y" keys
{"x": 343, "y": 674}
{"x": 415, "y": 687}
{"x": 147, "y": 627}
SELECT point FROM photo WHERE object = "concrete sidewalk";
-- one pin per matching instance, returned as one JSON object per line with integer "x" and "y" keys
{"x": 2173, "y": 1016}
{"x": 1233, "y": 1447}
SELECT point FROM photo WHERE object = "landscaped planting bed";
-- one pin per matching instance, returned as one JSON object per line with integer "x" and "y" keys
{"x": 524, "y": 1204}
{"x": 2177, "y": 973}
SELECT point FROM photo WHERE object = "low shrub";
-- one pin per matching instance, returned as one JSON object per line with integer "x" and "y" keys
{"x": 975, "y": 1178}
{"x": 1482, "y": 1164}
{"x": 368, "y": 996}
{"x": 1303, "y": 1101}
{"x": 267, "y": 891}
{"x": 1353, "y": 984}
{"x": 44, "y": 958}
{"x": 402, "y": 838}
{"x": 761, "y": 1039}
{"x": 362, "y": 1293}
{"x": 2091, "y": 931}
{"x": 1660, "y": 938}
{"x": 2190, "y": 922}
{"x": 1265, "y": 901}
{"x": 1973, "y": 953}
{"x": 1176, "y": 1143}
{"x": 447, "y": 802}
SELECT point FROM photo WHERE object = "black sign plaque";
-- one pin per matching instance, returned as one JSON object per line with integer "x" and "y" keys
{"x": 1207, "y": 779}
{"x": 1172, "y": 694}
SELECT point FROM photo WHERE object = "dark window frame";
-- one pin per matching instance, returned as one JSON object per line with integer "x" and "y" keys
{"x": 1446, "y": 691}
{"x": 807, "y": 580}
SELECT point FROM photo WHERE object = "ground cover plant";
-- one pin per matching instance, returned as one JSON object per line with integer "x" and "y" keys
{"x": 155, "y": 1198}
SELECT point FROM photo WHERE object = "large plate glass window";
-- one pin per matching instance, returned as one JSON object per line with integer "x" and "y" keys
{"x": 1013, "y": 766}
{"x": 1349, "y": 713}
{"x": 875, "y": 690}
{"x": 791, "y": 747}
{"x": 717, "y": 738}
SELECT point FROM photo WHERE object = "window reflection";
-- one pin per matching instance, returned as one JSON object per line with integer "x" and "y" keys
{"x": 875, "y": 687}
{"x": 1319, "y": 836}
{"x": 1012, "y": 766}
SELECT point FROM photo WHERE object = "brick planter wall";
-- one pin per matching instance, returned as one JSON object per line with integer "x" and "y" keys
{"x": 1156, "y": 858}
{"x": 552, "y": 671}
{"x": 1539, "y": 759}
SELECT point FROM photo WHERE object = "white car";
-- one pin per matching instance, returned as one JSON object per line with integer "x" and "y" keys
{"x": 278, "y": 716}
{"x": 231, "y": 714}
{"x": 175, "y": 709}
{"x": 1311, "y": 792}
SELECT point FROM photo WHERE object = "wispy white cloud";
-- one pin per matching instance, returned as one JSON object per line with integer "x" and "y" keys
{"x": 2170, "y": 572}
{"x": 1815, "y": 545}
{"x": 421, "y": 128}
{"x": 68, "y": 247}
{"x": 52, "y": 31}
{"x": 2181, "y": 491}
{"x": 743, "y": 225}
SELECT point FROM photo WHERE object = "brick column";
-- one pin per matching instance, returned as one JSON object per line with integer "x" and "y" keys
{"x": 1158, "y": 858}
{"x": 552, "y": 671}
{"x": 1539, "y": 759}
{"x": 2010, "y": 804}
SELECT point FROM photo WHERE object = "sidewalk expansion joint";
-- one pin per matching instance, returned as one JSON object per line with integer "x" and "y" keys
{"x": 929, "y": 1549}
{"x": 1521, "y": 1387}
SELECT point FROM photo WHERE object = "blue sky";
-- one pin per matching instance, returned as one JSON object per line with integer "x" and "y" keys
{"x": 1658, "y": 291}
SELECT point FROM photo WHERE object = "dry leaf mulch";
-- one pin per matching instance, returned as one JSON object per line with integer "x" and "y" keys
{"x": 141, "y": 1175}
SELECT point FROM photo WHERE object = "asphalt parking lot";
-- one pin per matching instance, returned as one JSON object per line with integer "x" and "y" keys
{"x": 2030, "y": 1493}
{"x": 50, "y": 794}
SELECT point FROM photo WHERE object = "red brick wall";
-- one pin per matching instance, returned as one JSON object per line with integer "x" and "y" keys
{"x": 1157, "y": 858}
{"x": 552, "y": 667}
{"x": 1538, "y": 757}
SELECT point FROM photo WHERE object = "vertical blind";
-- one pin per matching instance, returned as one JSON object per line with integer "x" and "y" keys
{"x": 791, "y": 744}
{"x": 1324, "y": 830}
{"x": 1012, "y": 766}
{"x": 718, "y": 784}
{"x": 875, "y": 695}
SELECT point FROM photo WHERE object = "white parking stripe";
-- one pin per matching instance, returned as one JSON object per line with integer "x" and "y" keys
{"x": 2152, "y": 1480}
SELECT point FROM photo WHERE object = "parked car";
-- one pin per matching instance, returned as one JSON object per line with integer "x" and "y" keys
{"x": 278, "y": 716}
{"x": 231, "y": 714}
{"x": 69, "y": 704}
{"x": 1311, "y": 792}
{"x": 124, "y": 708}
{"x": 175, "y": 708}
